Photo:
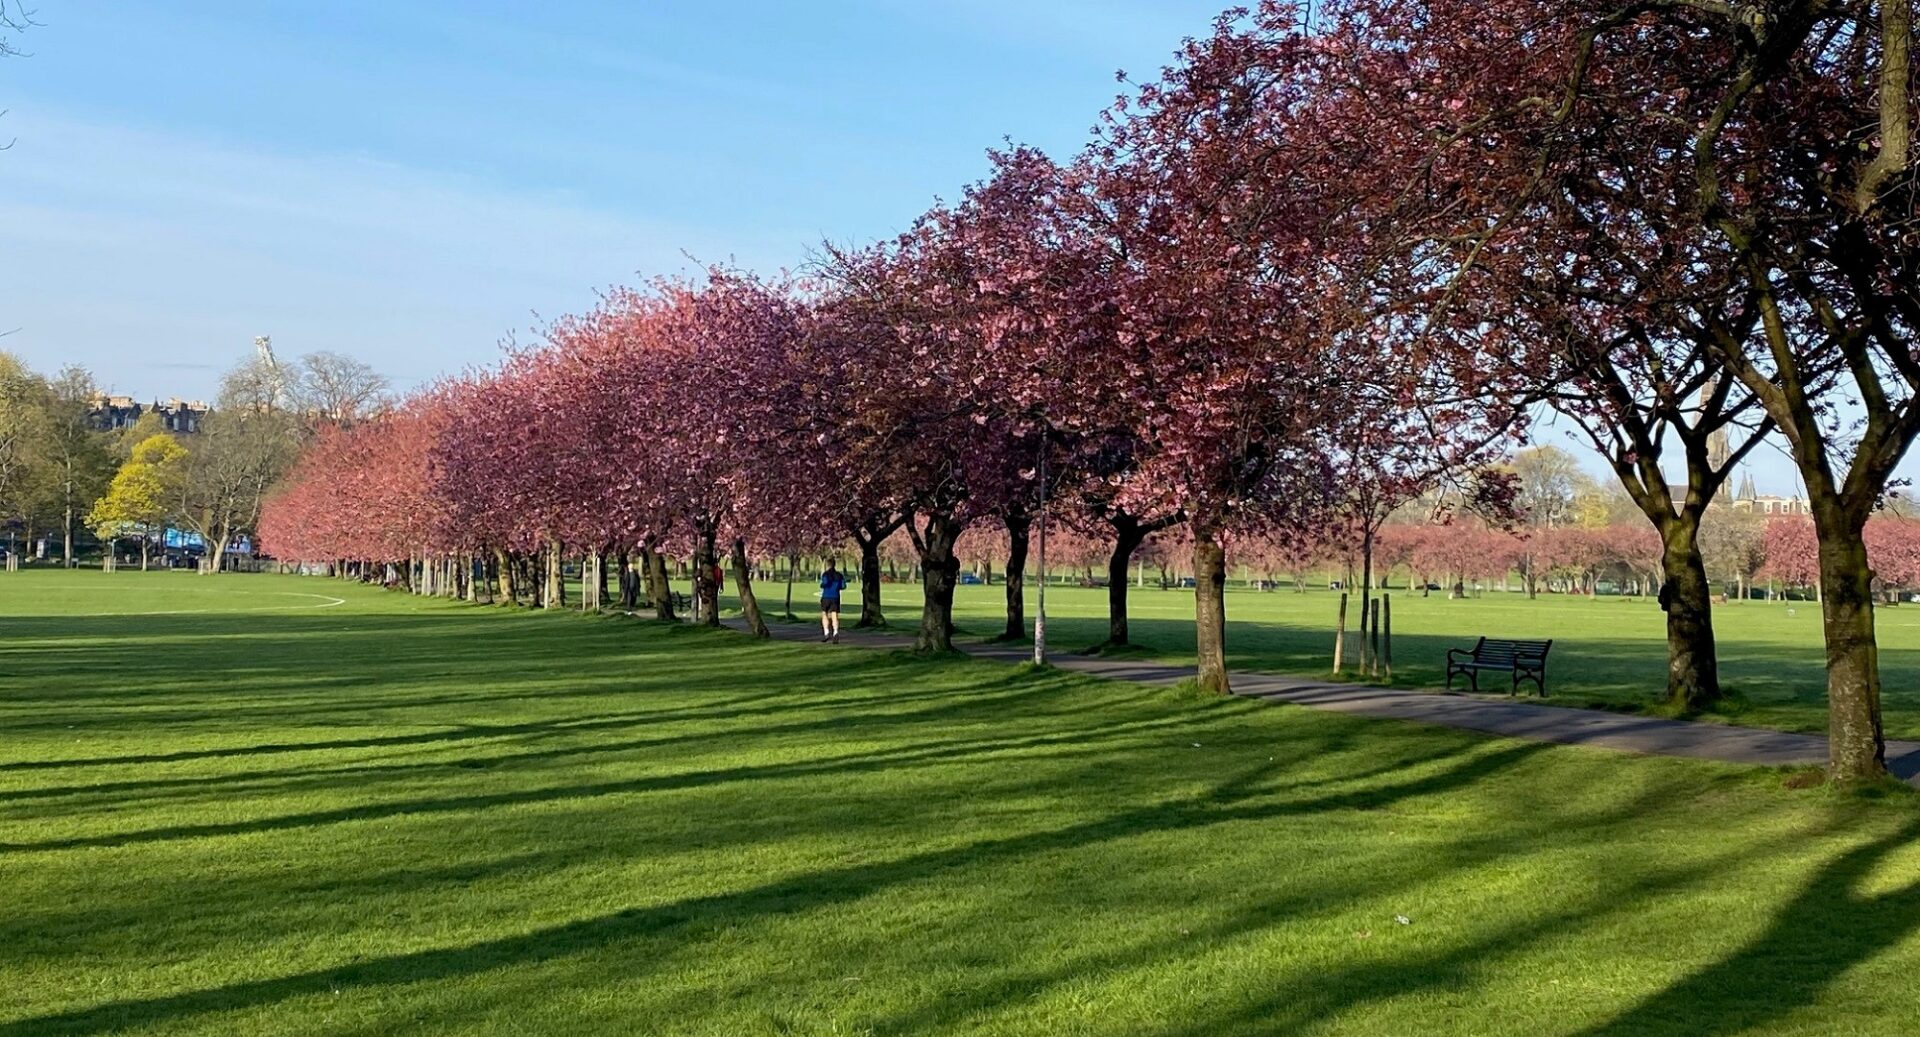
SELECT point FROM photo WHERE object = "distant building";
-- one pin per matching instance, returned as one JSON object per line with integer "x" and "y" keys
{"x": 182, "y": 417}
{"x": 1767, "y": 504}
{"x": 112, "y": 412}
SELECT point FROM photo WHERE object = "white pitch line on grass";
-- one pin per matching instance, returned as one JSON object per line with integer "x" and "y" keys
{"x": 327, "y": 601}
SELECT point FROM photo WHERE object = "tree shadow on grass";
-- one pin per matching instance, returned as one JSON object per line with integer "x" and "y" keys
{"x": 739, "y": 708}
{"x": 282, "y": 782}
{"x": 1826, "y": 930}
{"x": 456, "y": 734}
{"x": 1088, "y": 738}
{"x": 1310, "y": 1001}
{"x": 1830, "y": 927}
{"x": 1227, "y": 802}
{"x": 601, "y": 677}
{"x": 190, "y": 903}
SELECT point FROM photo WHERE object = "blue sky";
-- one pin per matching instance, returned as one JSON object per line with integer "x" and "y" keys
{"x": 411, "y": 182}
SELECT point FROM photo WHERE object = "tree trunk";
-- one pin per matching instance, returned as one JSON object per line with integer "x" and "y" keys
{"x": 1856, "y": 745}
{"x": 706, "y": 589}
{"x": 1340, "y": 637}
{"x": 1019, "y": 530}
{"x": 1693, "y": 669}
{"x": 870, "y": 614}
{"x": 1366, "y": 600}
{"x": 659, "y": 588}
{"x": 743, "y": 584}
{"x": 793, "y": 563}
{"x": 623, "y": 580}
{"x": 1386, "y": 648}
{"x": 1210, "y": 612}
{"x": 1127, "y": 538}
{"x": 939, "y": 571}
{"x": 1373, "y": 635}
{"x": 503, "y": 571}
{"x": 556, "y": 593}
{"x": 143, "y": 553}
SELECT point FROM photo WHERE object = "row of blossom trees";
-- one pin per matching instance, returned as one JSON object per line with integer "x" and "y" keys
{"x": 735, "y": 418}
{"x": 1151, "y": 336}
{"x": 1329, "y": 258}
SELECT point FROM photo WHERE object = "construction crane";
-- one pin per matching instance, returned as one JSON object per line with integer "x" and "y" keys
{"x": 276, "y": 381}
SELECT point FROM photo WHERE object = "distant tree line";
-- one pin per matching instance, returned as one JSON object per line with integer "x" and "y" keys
{"x": 61, "y": 476}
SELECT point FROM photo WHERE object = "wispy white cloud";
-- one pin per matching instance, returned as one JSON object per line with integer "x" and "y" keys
{"x": 129, "y": 250}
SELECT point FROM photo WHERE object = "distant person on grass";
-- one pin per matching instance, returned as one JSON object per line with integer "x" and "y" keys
{"x": 832, "y": 582}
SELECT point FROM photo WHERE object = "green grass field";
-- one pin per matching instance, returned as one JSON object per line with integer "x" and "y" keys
{"x": 231, "y": 805}
{"x": 1608, "y": 652}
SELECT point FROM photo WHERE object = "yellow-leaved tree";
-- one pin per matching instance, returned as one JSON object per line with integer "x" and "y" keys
{"x": 142, "y": 490}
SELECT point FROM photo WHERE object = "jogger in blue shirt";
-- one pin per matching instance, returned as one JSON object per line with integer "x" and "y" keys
{"x": 832, "y": 582}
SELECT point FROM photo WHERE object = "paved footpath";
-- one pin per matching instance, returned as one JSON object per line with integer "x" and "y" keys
{"x": 1498, "y": 715}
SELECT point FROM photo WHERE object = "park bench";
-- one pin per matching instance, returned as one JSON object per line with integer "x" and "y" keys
{"x": 1524, "y": 660}
{"x": 679, "y": 601}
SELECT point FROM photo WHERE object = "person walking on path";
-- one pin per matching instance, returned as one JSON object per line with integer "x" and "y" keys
{"x": 832, "y": 582}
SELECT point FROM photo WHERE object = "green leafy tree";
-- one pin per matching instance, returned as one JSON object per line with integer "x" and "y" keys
{"x": 23, "y": 417}
{"x": 1551, "y": 484}
{"x": 141, "y": 494}
{"x": 78, "y": 461}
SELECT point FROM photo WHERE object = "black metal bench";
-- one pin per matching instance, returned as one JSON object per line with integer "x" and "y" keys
{"x": 1524, "y": 660}
{"x": 680, "y": 602}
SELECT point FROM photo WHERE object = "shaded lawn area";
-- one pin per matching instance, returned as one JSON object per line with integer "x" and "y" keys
{"x": 1608, "y": 652}
{"x": 400, "y": 815}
